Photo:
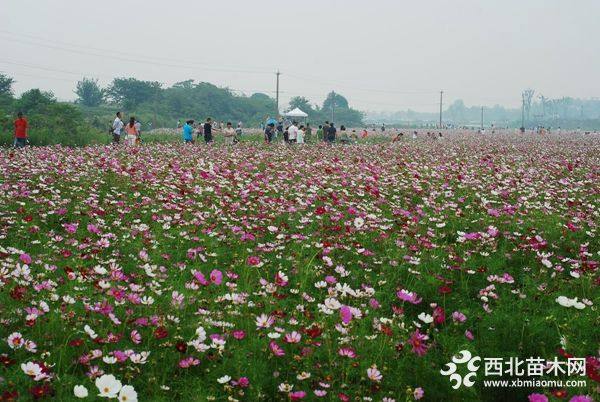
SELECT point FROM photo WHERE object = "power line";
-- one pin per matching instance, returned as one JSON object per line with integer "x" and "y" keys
{"x": 134, "y": 60}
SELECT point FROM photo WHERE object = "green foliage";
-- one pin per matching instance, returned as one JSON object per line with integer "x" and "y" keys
{"x": 88, "y": 92}
{"x": 6, "y": 84}
{"x": 131, "y": 92}
{"x": 50, "y": 122}
{"x": 342, "y": 113}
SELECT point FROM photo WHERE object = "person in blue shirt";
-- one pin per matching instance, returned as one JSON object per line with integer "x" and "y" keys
{"x": 188, "y": 132}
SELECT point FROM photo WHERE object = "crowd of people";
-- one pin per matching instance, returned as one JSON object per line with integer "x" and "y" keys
{"x": 288, "y": 132}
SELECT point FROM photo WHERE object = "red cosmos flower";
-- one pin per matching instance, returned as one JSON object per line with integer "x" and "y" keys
{"x": 6, "y": 361}
{"x": 40, "y": 391}
{"x": 76, "y": 342}
{"x": 439, "y": 315}
{"x": 560, "y": 393}
{"x": 9, "y": 396}
{"x": 592, "y": 368}
{"x": 343, "y": 397}
{"x": 253, "y": 260}
{"x": 320, "y": 211}
{"x": 181, "y": 347}
{"x": 161, "y": 333}
{"x": 314, "y": 331}
{"x": 18, "y": 292}
{"x": 444, "y": 289}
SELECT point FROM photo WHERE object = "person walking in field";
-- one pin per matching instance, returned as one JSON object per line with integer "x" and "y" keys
{"x": 300, "y": 135}
{"x": 320, "y": 133}
{"x": 21, "y": 128}
{"x": 208, "y": 138}
{"x": 138, "y": 126}
{"x": 116, "y": 129}
{"x": 132, "y": 132}
{"x": 229, "y": 134}
{"x": 187, "y": 132}
{"x": 292, "y": 133}
{"x": 331, "y": 131}
{"x": 238, "y": 132}
{"x": 269, "y": 132}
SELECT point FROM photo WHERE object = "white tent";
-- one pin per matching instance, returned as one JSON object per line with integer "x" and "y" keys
{"x": 296, "y": 113}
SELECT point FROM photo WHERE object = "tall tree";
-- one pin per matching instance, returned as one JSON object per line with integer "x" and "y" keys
{"x": 527, "y": 98}
{"x": 6, "y": 83}
{"x": 131, "y": 92}
{"x": 88, "y": 92}
{"x": 35, "y": 100}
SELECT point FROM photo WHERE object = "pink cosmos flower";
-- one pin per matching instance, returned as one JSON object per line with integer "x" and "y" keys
{"x": 242, "y": 382}
{"x": 136, "y": 337}
{"x": 374, "y": 374}
{"x": 347, "y": 352}
{"x": 581, "y": 398}
{"x": 537, "y": 398}
{"x": 374, "y": 303}
{"x": 418, "y": 393}
{"x": 418, "y": 343}
{"x": 407, "y": 296}
{"x": 239, "y": 334}
{"x": 216, "y": 277}
{"x": 346, "y": 314}
{"x": 457, "y": 316}
{"x": 25, "y": 259}
{"x": 253, "y": 260}
{"x": 199, "y": 276}
{"x": 293, "y": 337}
{"x": 296, "y": 395}
{"x": 276, "y": 349}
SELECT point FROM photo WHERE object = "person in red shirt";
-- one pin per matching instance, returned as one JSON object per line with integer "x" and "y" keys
{"x": 21, "y": 127}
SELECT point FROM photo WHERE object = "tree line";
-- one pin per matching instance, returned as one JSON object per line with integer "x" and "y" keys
{"x": 162, "y": 106}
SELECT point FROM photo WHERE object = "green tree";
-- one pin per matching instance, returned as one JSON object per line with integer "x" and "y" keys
{"x": 88, "y": 92}
{"x": 334, "y": 98}
{"x": 6, "y": 83}
{"x": 35, "y": 100}
{"x": 131, "y": 92}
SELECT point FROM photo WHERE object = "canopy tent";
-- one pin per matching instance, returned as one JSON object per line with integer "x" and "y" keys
{"x": 296, "y": 113}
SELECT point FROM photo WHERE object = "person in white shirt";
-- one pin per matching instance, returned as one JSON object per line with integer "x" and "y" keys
{"x": 116, "y": 128}
{"x": 293, "y": 132}
{"x": 300, "y": 135}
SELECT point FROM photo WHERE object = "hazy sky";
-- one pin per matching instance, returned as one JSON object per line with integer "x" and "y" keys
{"x": 380, "y": 54}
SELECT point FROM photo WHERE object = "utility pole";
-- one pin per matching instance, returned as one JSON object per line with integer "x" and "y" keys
{"x": 523, "y": 111}
{"x": 277, "y": 91}
{"x": 441, "y": 99}
{"x": 482, "y": 118}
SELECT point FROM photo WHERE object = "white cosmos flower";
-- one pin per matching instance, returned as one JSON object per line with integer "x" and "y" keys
{"x": 332, "y": 303}
{"x": 426, "y": 318}
{"x": 80, "y": 391}
{"x": 15, "y": 340}
{"x": 88, "y": 330}
{"x": 31, "y": 369}
{"x": 566, "y": 302}
{"x": 108, "y": 386}
{"x": 128, "y": 394}
{"x": 201, "y": 333}
{"x": 223, "y": 380}
{"x": 359, "y": 222}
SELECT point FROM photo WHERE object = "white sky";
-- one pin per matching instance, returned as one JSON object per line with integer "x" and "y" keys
{"x": 380, "y": 54}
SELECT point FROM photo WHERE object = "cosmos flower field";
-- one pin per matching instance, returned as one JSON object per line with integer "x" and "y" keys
{"x": 353, "y": 273}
